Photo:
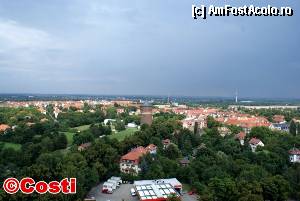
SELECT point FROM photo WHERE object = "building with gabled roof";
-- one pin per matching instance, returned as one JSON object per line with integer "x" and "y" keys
{"x": 278, "y": 119}
{"x": 4, "y": 127}
{"x": 294, "y": 155}
{"x": 129, "y": 163}
{"x": 280, "y": 126}
{"x": 254, "y": 143}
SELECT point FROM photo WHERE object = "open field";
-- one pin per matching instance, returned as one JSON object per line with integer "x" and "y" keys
{"x": 11, "y": 145}
{"x": 123, "y": 134}
{"x": 69, "y": 136}
{"x": 82, "y": 128}
{"x": 119, "y": 136}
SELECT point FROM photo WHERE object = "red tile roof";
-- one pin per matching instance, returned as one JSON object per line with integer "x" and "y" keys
{"x": 295, "y": 151}
{"x": 135, "y": 154}
{"x": 240, "y": 135}
{"x": 4, "y": 127}
{"x": 246, "y": 122}
{"x": 278, "y": 118}
{"x": 254, "y": 141}
{"x": 151, "y": 147}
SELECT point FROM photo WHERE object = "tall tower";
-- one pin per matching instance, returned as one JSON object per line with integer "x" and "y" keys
{"x": 146, "y": 113}
{"x": 236, "y": 96}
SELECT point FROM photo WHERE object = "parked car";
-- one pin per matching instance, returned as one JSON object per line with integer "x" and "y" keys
{"x": 132, "y": 191}
{"x": 118, "y": 179}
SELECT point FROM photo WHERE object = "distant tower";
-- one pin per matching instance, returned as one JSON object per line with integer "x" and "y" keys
{"x": 236, "y": 96}
{"x": 146, "y": 113}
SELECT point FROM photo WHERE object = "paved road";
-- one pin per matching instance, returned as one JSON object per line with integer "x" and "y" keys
{"x": 124, "y": 193}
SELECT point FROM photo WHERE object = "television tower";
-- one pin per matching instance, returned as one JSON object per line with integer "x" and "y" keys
{"x": 236, "y": 96}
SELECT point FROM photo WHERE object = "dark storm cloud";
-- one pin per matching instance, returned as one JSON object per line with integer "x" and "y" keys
{"x": 146, "y": 47}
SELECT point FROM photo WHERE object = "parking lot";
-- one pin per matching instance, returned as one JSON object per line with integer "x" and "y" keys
{"x": 123, "y": 194}
{"x": 120, "y": 194}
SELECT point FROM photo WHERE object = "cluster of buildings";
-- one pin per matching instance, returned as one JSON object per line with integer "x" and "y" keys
{"x": 146, "y": 110}
{"x": 200, "y": 115}
{"x": 59, "y": 106}
{"x": 71, "y": 103}
{"x": 245, "y": 121}
{"x": 294, "y": 154}
{"x": 280, "y": 123}
{"x": 253, "y": 142}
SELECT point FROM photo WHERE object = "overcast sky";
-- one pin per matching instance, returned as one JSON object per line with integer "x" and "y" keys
{"x": 148, "y": 47}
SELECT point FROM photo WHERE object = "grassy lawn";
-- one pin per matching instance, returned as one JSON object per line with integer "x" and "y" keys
{"x": 11, "y": 145}
{"x": 123, "y": 134}
{"x": 82, "y": 128}
{"x": 69, "y": 137}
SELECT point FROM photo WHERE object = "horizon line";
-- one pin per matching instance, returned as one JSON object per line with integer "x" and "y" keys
{"x": 151, "y": 95}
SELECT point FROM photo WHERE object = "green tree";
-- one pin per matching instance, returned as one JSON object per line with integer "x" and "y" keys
{"x": 60, "y": 142}
{"x": 172, "y": 152}
{"x": 196, "y": 127}
{"x": 251, "y": 197}
{"x": 293, "y": 127}
{"x": 80, "y": 138}
{"x": 212, "y": 123}
{"x": 275, "y": 188}
{"x": 293, "y": 176}
{"x": 223, "y": 189}
{"x": 119, "y": 126}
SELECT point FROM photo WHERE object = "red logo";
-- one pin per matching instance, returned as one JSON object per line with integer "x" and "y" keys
{"x": 28, "y": 185}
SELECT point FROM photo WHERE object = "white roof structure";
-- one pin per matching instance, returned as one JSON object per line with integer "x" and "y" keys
{"x": 173, "y": 181}
{"x": 154, "y": 189}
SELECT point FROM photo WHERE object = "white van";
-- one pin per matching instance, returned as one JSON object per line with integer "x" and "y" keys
{"x": 116, "y": 184}
{"x": 118, "y": 179}
{"x": 107, "y": 187}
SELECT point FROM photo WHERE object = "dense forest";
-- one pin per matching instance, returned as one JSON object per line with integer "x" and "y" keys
{"x": 220, "y": 168}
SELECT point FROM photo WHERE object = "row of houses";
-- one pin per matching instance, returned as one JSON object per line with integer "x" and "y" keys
{"x": 294, "y": 154}
{"x": 230, "y": 117}
{"x": 253, "y": 142}
{"x": 245, "y": 121}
